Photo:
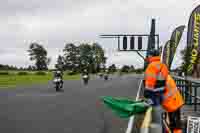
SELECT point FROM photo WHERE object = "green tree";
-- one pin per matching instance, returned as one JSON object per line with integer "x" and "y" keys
{"x": 86, "y": 57}
{"x": 125, "y": 68}
{"x": 98, "y": 57}
{"x": 132, "y": 68}
{"x": 38, "y": 54}
{"x": 92, "y": 57}
{"x": 71, "y": 57}
{"x": 185, "y": 53}
{"x": 7, "y": 67}
{"x": 29, "y": 68}
{"x": 112, "y": 68}
{"x": 60, "y": 63}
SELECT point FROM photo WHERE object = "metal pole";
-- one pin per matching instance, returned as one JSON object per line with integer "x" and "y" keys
{"x": 158, "y": 42}
{"x": 118, "y": 43}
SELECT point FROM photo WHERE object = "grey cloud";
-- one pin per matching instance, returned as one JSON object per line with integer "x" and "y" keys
{"x": 37, "y": 7}
{"x": 54, "y": 23}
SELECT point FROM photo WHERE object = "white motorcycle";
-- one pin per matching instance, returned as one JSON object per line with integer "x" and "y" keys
{"x": 100, "y": 75}
{"x": 106, "y": 77}
{"x": 58, "y": 85}
{"x": 85, "y": 79}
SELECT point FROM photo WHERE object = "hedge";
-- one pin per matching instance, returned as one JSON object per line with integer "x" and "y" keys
{"x": 22, "y": 73}
{"x": 4, "y": 73}
{"x": 40, "y": 73}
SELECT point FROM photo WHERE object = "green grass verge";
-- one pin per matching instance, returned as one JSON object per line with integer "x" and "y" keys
{"x": 13, "y": 79}
{"x": 72, "y": 77}
{"x": 129, "y": 73}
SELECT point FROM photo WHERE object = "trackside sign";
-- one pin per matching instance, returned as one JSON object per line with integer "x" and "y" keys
{"x": 193, "y": 124}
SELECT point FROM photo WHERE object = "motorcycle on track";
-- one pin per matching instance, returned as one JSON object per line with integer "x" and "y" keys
{"x": 101, "y": 75}
{"x": 58, "y": 84}
{"x": 106, "y": 77}
{"x": 85, "y": 79}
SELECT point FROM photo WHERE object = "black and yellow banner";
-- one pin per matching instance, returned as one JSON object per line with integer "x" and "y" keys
{"x": 174, "y": 41}
{"x": 193, "y": 38}
{"x": 166, "y": 54}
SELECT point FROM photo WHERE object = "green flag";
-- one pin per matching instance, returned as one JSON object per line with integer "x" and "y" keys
{"x": 124, "y": 107}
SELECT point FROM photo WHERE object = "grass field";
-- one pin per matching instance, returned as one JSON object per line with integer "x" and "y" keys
{"x": 13, "y": 79}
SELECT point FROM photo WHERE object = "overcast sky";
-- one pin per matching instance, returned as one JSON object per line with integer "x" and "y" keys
{"x": 53, "y": 23}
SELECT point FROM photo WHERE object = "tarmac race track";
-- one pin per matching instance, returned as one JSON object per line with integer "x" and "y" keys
{"x": 39, "y": 109}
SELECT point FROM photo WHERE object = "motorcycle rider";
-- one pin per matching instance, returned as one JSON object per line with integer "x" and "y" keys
{"x": 59, "y": 74}
{"x": 85, "y": 76}
{"x": 85, "y": 72}
{"x": 106, "y": 74}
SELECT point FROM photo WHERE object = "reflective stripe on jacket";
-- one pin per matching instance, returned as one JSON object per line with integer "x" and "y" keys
{"x": 156, "y": 71}
{"x": 172, "y": 99}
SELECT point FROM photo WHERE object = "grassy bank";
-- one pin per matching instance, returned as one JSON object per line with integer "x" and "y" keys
{"x": 13, "y": 79}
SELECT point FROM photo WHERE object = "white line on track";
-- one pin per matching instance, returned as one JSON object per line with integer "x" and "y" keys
{"x": 131, "y": 120}
{"x": 33, "y": 95}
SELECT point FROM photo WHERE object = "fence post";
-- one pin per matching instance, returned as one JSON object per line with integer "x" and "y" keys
{"x": 195, "y": 98}
{"x": 190, "y": 93}
{"x": 187, "y": 92}
{"x": 183, "y": 90}
{"x": 182, "y": 86}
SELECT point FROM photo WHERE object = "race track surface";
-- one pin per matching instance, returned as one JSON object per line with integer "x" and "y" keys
{"x": 39, "y": 109}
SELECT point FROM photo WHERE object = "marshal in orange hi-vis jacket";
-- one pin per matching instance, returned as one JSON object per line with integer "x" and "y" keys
{"x": 172, "y": 99}
{"x": 157, "y": 79}
{"x": 155, "y": 72}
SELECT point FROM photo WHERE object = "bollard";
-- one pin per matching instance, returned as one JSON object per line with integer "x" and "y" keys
{"x": 155, "y": 128}
{"x": 157, "y": 114}
{"x": 144, "y": 130}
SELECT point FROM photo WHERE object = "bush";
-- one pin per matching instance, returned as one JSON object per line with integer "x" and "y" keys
{"x": 125, "y": 69}
{"x": 71, "y": 73}
{"x": 40, "y": 73}
{"x": 4, "y": 73}
{"x": 139, "y": 71}
{"x": 131, "y": 70}
{"x": 22, "y": 73}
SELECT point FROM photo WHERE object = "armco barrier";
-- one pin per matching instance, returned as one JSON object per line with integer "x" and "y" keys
{"x": 144, "y": 123}
{"x": 132, "y": 127}
{"x": 189, "y": 88}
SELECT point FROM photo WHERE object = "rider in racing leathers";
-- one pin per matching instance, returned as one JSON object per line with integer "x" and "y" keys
{"x": 59, "y": 74}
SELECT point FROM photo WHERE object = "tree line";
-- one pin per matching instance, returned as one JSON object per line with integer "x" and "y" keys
{"x": 74, "y": 58}
{"x": 84, "y": 56}
{"x": 11, "y": 67}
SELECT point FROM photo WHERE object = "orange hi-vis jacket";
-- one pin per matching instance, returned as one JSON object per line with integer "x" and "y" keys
{"x": 172, "y": 99}
{"x": 154, "y": 72}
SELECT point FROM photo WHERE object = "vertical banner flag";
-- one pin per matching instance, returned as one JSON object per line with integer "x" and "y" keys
{"x": 166, "y": 54}
{"x": 160, "y": 50}
{"x": 193, "y": 38}
{"x": 174, "y": 41}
